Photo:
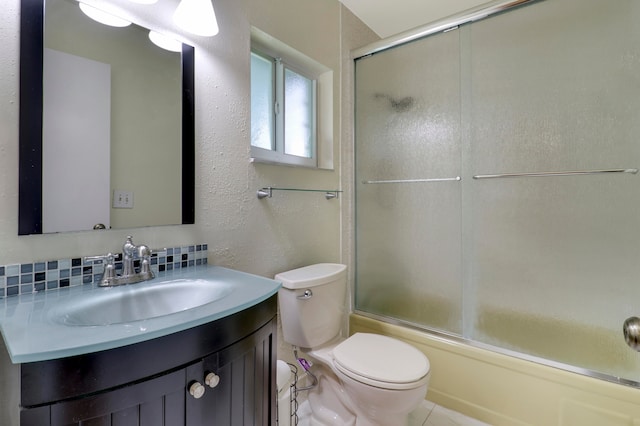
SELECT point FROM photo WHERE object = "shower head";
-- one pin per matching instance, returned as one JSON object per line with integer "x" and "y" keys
{"x": 398, "y": 105}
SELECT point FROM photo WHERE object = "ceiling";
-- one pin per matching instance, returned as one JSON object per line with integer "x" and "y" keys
{"x": 390, "y": 17}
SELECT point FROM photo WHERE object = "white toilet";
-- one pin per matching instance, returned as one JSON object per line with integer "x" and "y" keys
{"x": 366, "y": 379}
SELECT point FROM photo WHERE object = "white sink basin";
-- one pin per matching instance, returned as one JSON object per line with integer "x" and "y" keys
{"x": 128, "y": 303}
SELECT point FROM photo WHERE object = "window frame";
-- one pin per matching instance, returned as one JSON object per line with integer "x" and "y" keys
{"x": 278, "y": 155}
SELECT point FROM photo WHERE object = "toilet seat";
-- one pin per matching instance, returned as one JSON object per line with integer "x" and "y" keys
{"x": 381, "y": 361}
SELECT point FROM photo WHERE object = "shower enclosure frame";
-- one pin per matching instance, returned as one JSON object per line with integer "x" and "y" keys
{"x": 440, "y": 26}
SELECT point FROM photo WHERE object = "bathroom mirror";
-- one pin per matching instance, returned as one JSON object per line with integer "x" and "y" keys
{"x": 148, "y": 160}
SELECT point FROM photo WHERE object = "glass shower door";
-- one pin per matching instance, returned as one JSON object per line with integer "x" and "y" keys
{"x": 555, "y": 87}
{"x": 407, "y": 189}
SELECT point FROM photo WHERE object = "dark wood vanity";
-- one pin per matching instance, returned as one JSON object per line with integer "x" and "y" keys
{"x": 154, "y": 382}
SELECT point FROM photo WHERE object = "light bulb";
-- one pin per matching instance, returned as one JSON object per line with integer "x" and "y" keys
{"x": 103, "y": 17}
{"x": 196, "y": 17}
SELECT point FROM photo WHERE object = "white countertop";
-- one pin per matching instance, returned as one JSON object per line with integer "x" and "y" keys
{"x": 31, "y": 335}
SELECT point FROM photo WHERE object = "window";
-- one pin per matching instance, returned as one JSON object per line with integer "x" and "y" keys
{"x": 290, "y": 95}
{"x": 283, "y": 112}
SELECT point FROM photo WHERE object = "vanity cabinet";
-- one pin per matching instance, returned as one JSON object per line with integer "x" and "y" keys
{"x": 220, "y": 373}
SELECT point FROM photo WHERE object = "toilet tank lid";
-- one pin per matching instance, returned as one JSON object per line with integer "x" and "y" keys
{"x": 311, "y": 276}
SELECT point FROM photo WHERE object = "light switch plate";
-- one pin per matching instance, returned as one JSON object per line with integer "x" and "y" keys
{"x": 122, "y": 199}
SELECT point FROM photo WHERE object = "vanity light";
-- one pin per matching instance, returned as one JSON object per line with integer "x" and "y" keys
{"x": 196, "y": 17}
{"x": 103, "y": 17}
{"x": 165, "y": 42}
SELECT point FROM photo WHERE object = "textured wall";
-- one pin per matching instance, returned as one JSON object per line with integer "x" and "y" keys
{"x": 263, "y": 237}
{"x": 258, "y": 236}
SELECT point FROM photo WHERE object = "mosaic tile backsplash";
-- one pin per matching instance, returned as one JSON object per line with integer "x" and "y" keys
{"x": 42, "y": 276}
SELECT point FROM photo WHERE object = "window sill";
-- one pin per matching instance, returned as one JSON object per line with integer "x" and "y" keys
{"x": 278, "y": 163}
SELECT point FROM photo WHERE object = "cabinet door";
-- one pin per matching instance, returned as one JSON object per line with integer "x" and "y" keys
{"x": 245, "y": 393}
{"x": 155, "y": 402}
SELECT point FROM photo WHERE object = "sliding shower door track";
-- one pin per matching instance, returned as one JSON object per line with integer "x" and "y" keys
{"x": 443, "y": 25}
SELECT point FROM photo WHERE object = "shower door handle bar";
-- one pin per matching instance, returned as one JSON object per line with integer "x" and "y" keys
{"x": 564, "y": 173}
{"x": 371, "y": 182}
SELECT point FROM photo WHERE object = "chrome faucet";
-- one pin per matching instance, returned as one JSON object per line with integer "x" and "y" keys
{"x": 129, "y": 275}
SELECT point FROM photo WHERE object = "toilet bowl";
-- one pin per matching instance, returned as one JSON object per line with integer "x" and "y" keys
{"x": 366, "y": 379}
{"x": 384, "y": 379}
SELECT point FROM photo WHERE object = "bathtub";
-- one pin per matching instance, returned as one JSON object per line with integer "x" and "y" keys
{"x": 506, "y": 390}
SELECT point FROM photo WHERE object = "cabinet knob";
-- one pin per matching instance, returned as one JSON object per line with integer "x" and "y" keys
{"x": 196, "y": 390}
{"x": 212, "y": 380}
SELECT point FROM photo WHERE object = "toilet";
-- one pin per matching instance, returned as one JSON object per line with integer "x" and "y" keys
{"x": 366, "y": 379}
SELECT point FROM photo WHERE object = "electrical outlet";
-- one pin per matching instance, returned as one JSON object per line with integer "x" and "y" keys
{"x": 122, "y": 199}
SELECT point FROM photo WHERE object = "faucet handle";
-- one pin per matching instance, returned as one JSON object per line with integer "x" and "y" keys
{"x": 109, "y": 258}
{"x": 109, "y": 273}
{"x": 143, "y": 251}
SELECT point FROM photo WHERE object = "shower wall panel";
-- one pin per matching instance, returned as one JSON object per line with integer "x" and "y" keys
{"x": 546, "y": 266}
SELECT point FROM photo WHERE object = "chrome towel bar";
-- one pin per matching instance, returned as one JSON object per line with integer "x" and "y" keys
{"x": 563, "y": 173}
{"x": 267, "y": 192}
{"x": 370, "y": 182}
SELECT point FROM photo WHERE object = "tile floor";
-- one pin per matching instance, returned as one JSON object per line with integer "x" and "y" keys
{"x": 427, "y": 414}
{"x": 430, "y": 414}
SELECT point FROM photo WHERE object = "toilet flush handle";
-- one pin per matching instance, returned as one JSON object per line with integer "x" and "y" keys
{"x": 308, "y": 294}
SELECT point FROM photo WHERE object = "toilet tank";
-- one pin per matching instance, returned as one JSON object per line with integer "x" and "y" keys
{"x": 312, "y": 303}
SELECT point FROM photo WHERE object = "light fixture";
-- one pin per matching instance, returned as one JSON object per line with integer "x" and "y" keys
{"x": 144, "y": 1}
{"x": 165, "y": 42}
{"x": 103, "y": 17}
{"x": 196, "y": 17}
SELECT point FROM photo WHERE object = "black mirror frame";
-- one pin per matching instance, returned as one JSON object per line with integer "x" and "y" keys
{"x": 30, "y": 127}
